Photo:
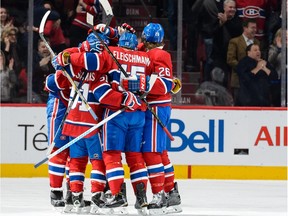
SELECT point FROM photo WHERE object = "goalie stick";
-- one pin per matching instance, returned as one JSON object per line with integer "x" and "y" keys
{"x": 41, "y": 34}
{"x": 152, "y": 81}
{"x": 126, "y": 75}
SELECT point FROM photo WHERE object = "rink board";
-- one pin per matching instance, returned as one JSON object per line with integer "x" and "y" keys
{"x": 210, "y": 142}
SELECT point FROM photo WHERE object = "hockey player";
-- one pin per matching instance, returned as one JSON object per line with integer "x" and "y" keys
{"x": 100, "y": 64}
{"x": 79, "y": 120}
{"x": 56, "y": 107}
{"x": 59, "y": 89}
{"x": 160, "y": 169}
{"x": 129, "y": 126}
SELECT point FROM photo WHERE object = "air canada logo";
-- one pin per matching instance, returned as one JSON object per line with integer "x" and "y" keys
{"x": 251, "y": 12}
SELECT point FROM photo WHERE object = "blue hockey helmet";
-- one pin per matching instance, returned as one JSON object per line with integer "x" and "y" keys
{"x": 153, "y": 32}
{"x": 92, "y": 38}
{"x": 128, "y": 40}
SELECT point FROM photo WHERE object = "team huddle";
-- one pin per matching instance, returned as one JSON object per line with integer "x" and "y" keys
{"x": 134, "y": 83}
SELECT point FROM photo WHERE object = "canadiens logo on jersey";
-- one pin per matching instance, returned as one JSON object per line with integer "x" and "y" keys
{"x": 251, "y": 12}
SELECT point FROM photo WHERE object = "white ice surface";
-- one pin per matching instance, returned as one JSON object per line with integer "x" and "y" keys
{"x": 30, "y": 197}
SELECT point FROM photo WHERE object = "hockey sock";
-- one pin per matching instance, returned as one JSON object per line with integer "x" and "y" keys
{"x": 97, "y": 176}
{"x": 138, "y": 170}
{"x": 56, "y": 167}
{"x": 169, "y": 172}
{"x": 77, "y": 173}
{"x": 67, "y": 169}
{"x": 155, "y": 170}
{"x": 114, "y": 170}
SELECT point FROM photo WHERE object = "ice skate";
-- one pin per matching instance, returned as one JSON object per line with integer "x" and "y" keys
{"x": 141, "y": 199}
{"x": 97, "y": 201}
{"x": 118, "y": 203}
{"x": 158, "y": 204}
{"x": 68, "y": 202}
{"x": 174, "y": 200}
{"x": 79, "y": 204}
{"x": 57, "y": 199}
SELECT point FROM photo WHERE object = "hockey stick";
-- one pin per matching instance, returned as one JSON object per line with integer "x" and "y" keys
{"x": 41, "y": 34}
{"x": 146, "y": 9}
{"x": 71, "y": 102}
{"x": 79, "y": 137}
{"x": 108, "y": 10}
{"x": 152, "y": 81}
{"x": 126, "y": 75}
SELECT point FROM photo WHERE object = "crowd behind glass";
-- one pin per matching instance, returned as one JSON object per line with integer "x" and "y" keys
{"x": 216, "y": 24}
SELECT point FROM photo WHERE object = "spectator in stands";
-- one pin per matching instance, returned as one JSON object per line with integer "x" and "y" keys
{"x": 237, "y": 50}
{"x": 191, "y": 20}
{"x": 209, "y": 23}
{"x": 79, "y": 26}
{"x": 256, "y": 9}
{"x": 230, "y": 27}
{"x": 11, "y": 48}
{"x": 274, "y": 57}
{"x": 274, "y": 19}
{"x": 42, "y": 67}
{"x": 255, "y": 75}
{"x": 5, "y": 19}
{"x": 214, "y": 93}
{"x": 8, "y": 80}
{"x": 39, "y": 11}
{"x": 53, "y": 31}
{"x": 172, "y": 21}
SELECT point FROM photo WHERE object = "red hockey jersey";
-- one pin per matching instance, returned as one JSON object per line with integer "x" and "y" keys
{"x": 162, "y": 65}
{"x": 253, "y": 9}
{"x": 80, "y": 18}
{"x": 98, "y": 65}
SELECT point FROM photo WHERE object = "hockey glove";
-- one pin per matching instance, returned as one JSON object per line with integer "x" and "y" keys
{"x": 130, "y": 101}
{"x": 128, "y": 28}
{"x": 107, "y": 30}
{"x": 55, "y": 64}
{"x": 91, "y": 46}
{"x": 135, "y": 84}
{"x": 177, "y": 85}
{"x": 63, "y": 59}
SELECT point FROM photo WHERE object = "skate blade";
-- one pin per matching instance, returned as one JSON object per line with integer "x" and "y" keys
{"x": 95, "y": 210}
{"x": 104, "y": 211}
{"x": 143, "y": 211}
{"x": 83, "y": 210}
{"x": 58, "y": 209}
{"x": 159, "y": 211}
{"x": 67, "y": 208}
{"x": 76, "y": 209}
{"x": 174, "y": 209}
{"x": 118, "y": 211}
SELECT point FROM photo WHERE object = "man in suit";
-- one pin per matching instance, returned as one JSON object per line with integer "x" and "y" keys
{"x": 255, "y": 77}
{"x": 237, "y": 50}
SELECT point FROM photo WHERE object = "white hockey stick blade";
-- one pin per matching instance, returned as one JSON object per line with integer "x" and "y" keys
{"x": 90, "y": 19}
{"x": 43, "y": 21}
{"x": 107, "y": 7}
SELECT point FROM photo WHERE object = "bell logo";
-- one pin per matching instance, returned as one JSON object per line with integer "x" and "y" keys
{"x": 199, "y": 141}
{"x": 264, "y": 136}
